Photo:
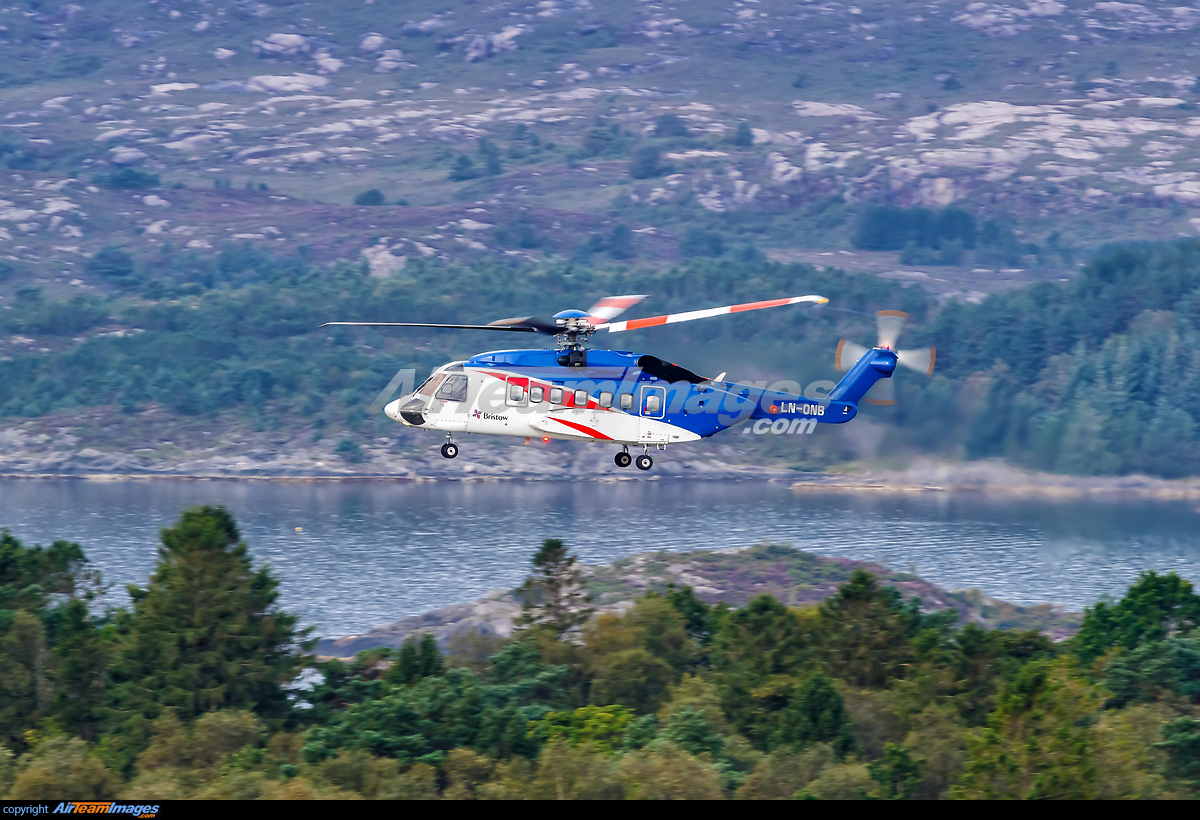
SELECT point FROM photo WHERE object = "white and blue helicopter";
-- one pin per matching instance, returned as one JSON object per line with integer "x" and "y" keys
{"x": 634, "y": 400}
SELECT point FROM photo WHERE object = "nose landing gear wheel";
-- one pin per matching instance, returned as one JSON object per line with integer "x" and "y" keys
{"x": 449, "y": 450}
{"x": 644, "y": 462}
{"x": 623, "y": 459}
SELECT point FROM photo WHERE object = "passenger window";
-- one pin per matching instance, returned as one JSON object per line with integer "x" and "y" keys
{"x": 606, "y": 399}
{"x": 556, "y": 395}
{"x": 581, "y": 398}
{"x": 653, "y": 403}
{"x": 626, "y": 401}
{"x": 516, "y": 394}
{"x": 453, "y": 389}
{"x": 535, "y": 394}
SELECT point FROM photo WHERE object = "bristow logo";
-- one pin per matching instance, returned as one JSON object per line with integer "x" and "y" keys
{"x": 477, "y": 414}
{"x": 488, "y": 416}
{"x": 98, "y": 807}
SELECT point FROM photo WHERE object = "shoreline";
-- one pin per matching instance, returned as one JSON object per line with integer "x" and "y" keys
{"x": 997, "y": 478}
{"x": 991, "y": 478}
{"x": 364, "y": 478}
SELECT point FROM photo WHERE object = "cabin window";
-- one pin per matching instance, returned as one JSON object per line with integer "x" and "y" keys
{"x": 653, "y": 404}
{"x": 516, "y": 393}
{"x": 626, "y": 401}
{"x": 536, "y": 394}
{"x": 556, "y": 395}
{"x": 581, "y": 398}
{"x": 453, "y": 389}
{"x": 606, "y": 399}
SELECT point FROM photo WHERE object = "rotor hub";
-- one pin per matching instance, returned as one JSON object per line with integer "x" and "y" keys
{"x": 577, "y": 327}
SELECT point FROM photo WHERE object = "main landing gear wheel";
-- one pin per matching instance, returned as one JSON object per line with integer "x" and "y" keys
{"x": 623, "y": 459}
{"x": 449, "y": 450}
{"x": 644, "y": 462}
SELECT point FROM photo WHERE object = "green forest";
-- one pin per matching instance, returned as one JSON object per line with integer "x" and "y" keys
{"x": 1098, "y": 374}
{"x": 203, "y": 688}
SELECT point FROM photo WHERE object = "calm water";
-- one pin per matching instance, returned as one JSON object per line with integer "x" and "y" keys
{"x": 372, "y": 553}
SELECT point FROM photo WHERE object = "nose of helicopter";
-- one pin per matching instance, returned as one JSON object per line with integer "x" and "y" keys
{"x": 392, "y": 410}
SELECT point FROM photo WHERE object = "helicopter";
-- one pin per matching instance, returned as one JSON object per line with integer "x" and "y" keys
{"x": 572, "y": 392}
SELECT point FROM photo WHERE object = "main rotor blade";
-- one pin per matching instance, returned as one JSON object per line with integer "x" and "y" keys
{"x": 890, "y": 323}
{"x": 610, "y": 307}
{"x": 918, "y": 360}
{"x": 510, "y": 328}
{"x": 530, "y": 323}
{"x": 883, "y": 393}
{"x": 848, "y": 354}
{"x": 674, "y": 318}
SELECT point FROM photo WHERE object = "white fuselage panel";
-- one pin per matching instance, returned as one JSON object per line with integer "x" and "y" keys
{"x": 489, "y": 409}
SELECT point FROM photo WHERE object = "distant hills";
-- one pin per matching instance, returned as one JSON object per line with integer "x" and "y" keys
{"x": 1076, "y": 121}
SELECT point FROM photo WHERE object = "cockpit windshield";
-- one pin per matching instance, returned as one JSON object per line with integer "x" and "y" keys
{"x": 431, "y": 384}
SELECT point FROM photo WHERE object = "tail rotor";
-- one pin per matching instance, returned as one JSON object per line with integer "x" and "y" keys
{"x": 889, "y": 324}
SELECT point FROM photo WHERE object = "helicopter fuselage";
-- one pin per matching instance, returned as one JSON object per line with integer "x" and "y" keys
{"x": 607, "y": 395}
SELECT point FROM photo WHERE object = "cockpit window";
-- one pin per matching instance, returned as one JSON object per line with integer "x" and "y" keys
{"x": 431, "y": 384}
{"x": 454, "y": 388}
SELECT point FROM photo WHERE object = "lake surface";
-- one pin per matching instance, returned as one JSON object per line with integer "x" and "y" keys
{"x": 371, "y": 553}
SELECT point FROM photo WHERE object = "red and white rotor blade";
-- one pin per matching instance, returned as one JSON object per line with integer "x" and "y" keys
{"x": 882, "y": 393}
{"x": 889, "y": 324}
{"x": 675, "y": 318}
{"x": 918, "y": 360}
{"x": 848, "y": 354}
{"x": 610, "y": 307}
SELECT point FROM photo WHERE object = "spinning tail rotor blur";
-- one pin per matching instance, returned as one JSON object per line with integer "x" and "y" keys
{"x": 889, "y": 324}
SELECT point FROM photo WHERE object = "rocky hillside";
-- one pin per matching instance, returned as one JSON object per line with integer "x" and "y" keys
{"x": 733, "y": 576}
{"x": 1076, "y": 118}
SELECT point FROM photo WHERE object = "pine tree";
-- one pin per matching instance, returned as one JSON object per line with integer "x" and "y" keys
{"x": 555, "y": 595}
{"x": 744, "y": 137}
{"x": 815, "y": 713}
{"x": 417, "y": 661}
{"x": 204, "y": 634}
{"x": 463, "y": 169}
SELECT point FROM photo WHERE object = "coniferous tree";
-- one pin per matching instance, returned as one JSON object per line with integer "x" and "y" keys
{"x": 815, "y": 713}
{"x": 417, "y": 661}
{"x": 52, "y": 659}
{"x": 866, "y": 629}
{"x": 205, "y": 634}
{"x": 463, "y": 169}
{"x": 1153, "y": 608}
{"x": 744, "y": 137}
{"x": 555, "y": 594}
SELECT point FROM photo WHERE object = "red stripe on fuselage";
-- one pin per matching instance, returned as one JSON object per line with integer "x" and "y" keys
{"x": 583, "y": 428}
{"x": 568, "y": 393}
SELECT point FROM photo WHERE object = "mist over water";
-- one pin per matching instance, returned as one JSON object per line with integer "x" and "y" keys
{"x": 370, "y": 553}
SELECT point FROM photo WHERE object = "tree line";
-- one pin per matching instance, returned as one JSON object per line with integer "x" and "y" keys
{"x": 201, "y": 687}
{"x": 1096, "y": 375}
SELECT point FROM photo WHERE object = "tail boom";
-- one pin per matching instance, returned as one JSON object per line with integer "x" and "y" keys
{"x": 874, "y": 365}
